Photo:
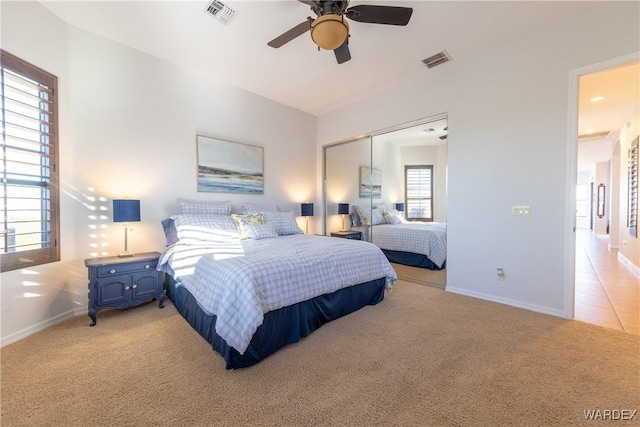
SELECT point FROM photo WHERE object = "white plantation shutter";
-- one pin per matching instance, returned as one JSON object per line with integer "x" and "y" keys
{"x": 419, "y": 192}
{"x": 29, "y": 187}
{"x": 632, "y": 209}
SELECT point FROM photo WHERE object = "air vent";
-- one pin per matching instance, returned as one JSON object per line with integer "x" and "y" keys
{"x": 430, "y": 130}
{"x": 437, "y": 59}
{"x": 443, "y": 137}
{"x": 220, "y": 11}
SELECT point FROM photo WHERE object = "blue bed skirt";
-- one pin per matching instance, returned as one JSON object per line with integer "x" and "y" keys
{"x": 411, "y": 259}
{"x": 280, "y": 327}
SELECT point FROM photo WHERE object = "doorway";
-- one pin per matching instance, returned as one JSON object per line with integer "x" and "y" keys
{"x": 605, "y": 282}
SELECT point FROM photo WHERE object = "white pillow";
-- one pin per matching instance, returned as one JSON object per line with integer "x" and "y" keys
{"x": 391, "y": 218}
{"x": 394, "y": 216}
{"x": 261, "y": 231}
{"x": 204, "y": 208}
{"x": 204, "y": 228}
{"x": 283, "y": 222}
{"x": 254, "y": 208}
{"x": 377, "y": 217}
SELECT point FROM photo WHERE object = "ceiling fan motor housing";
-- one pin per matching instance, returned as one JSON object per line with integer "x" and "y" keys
{"x": 329, "y": 31}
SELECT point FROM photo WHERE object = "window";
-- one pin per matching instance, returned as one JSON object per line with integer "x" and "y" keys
{"x": 29, "y": 187}
{"x": 418, "y": 184}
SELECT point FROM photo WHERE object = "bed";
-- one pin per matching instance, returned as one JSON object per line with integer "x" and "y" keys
{"x": 417, "y": 244}
{"x": 249, "y": 297}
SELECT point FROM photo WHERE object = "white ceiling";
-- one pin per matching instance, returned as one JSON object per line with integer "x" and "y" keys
{"x": 619, "y": 89}
{"x": 297, "y": 74}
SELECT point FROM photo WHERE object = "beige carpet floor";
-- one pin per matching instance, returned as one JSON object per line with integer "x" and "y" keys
{"x": 422, "y": 357}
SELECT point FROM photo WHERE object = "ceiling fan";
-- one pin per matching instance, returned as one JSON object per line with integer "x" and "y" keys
{"x": 330, "y": 30}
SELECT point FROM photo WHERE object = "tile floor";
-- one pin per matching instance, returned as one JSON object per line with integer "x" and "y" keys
{"x": 607, "y": 289}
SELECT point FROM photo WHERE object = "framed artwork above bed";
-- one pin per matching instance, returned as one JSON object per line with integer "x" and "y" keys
{"x": 229, "y": 167}
{"x": 370, "y": 183}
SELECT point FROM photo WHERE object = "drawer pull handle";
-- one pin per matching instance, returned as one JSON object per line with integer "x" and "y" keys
{"x": 126, "y": 288}
{"x": 146, "y": 266}
{"x": 112, "y": 271}
{"x": 134, "y": 286}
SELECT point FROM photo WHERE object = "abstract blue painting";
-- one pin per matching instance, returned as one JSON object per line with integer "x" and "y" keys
{"x": 229, "y": 167}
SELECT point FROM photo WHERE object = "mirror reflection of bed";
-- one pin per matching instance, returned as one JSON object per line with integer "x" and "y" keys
{"x": 417, "y": 249}
{"x": 408, "y": 167}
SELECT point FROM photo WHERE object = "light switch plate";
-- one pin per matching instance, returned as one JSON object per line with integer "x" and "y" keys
{"x": 521, "y": 210}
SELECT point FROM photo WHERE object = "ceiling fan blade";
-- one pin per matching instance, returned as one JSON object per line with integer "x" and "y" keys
{"x": 287, "y": 36}
{"x": 342, "y": 53}
{"x": 390, "y": 15}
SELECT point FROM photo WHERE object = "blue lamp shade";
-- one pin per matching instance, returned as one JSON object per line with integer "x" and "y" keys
{"x": 126, "y": 210}
{"x": 306, "y": 209}
{"x": 343, "y": 208}
{"x": 400, "y": 207}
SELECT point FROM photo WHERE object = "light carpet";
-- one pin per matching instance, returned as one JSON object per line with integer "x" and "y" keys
{"x": 422, "y": 357}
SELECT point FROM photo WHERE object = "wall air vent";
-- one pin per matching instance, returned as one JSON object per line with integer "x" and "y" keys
{"x": 437, "y": 59}
{"x": 220, "y": 11}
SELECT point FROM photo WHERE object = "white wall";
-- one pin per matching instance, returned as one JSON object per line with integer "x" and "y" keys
{"x": 387, "y": 158}
{"x": 585, "y": 180}
{"x": 508, "y": 145}
{"x": 128, "y": 125}
{"x": 343, "y": 178}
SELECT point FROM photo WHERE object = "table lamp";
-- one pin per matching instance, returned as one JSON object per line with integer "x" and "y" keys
{"x": 126, "y": 211}
{"x": 306, "y": 210}
{"x": 343, "y": 209}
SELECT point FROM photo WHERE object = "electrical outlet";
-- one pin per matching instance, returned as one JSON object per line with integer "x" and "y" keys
{"x": 500, "y": 273}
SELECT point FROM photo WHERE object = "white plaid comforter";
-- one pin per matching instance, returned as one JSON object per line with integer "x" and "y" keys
{"x": 242, "y": 281}
{"x": 426, "y": 238}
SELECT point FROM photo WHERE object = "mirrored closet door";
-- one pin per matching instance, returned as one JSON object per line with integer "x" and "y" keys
{"x": 394, "y": 186}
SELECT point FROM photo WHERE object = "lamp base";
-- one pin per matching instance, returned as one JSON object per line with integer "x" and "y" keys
{"x": 125, "y": 254}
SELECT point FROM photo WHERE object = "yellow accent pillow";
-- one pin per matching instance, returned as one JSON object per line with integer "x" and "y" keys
{"x": 247, "y": 219}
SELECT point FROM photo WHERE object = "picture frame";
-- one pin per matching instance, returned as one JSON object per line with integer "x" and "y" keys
{"x": 370, "y": 183}
{"x": 229, "y": 167}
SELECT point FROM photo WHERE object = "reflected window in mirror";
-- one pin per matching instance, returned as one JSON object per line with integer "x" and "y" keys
{"x": 418, "y": 180}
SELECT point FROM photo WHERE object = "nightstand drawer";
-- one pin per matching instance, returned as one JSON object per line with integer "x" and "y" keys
{"x": 110, "y": 270}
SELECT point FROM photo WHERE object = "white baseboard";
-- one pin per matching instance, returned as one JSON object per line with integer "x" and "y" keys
{"x": 507, "y": 301}
{"x": 41, "y": 326}
{"x": 631, "y": 265}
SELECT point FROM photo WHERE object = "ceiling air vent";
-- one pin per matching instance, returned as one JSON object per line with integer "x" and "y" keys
{"x": 437, "y": 59}
{"x": 220, "y": 11}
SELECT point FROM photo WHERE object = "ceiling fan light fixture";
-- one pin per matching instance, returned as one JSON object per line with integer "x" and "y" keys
{"x": 329, "y": 31}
